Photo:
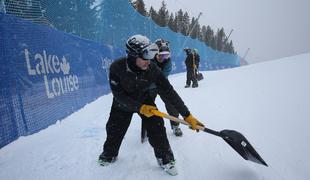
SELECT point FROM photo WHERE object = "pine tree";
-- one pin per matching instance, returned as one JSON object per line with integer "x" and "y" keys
{"x": 220, "y": 38}
{"x": 203, "y": 33}
{"x": 230, "y": 48}
{"x": 182, "y": 22}
{"x": 185, "y": 25}
{"x": 140, "y": 7}
{"x": 209, "y": 35}
{"x": 153, "y": 14}
{"x": 179, "y": 19}
{"x": 176, "y": 22}
{"x": 198, "y": 32}
{"x": 163, "y": 15}
{"x": 194, "y": 29}
{"x": 171, "y": 23}
{"x": 191, "y": 28}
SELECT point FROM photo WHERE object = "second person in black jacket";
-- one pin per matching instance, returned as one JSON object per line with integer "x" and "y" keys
{"x": 163, "y": 61}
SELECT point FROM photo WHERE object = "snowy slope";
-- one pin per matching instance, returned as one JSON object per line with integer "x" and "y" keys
{"x": 268, "y": 103}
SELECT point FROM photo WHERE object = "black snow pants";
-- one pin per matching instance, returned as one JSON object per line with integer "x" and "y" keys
{"x": 191, "y": 76}
{"x": 118, "y": 124}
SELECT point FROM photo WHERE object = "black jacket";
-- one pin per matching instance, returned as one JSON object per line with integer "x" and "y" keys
{"x": 191, "y": 59}
{"x": 131, "y": 87}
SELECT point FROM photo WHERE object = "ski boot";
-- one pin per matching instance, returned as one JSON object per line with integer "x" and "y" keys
{"x": 176, "y": 130}
{"x": 169, "y": 167}
{"x": 103, "y": 160}
{"x": 194, "y": 85}
{"x": 187, "y": 86}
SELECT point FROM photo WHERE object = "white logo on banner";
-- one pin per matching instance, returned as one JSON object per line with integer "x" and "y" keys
{"x": 45, "y": 64}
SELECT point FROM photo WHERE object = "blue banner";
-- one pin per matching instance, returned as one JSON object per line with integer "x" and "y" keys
{"x": 46, "y": 75}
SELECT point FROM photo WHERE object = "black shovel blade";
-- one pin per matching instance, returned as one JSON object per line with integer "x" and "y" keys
{"x": 240, "y": 144}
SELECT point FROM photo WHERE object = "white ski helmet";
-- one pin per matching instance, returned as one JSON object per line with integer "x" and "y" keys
{"x": 140, "y": 46}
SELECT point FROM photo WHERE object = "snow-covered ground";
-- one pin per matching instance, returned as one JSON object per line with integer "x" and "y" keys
{"x": 269, "y": 103}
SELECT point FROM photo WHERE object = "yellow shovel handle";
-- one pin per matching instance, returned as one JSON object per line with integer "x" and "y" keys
{"x": 172, "y": 118}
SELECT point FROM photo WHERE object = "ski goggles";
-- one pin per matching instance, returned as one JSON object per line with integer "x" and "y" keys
{"x": 164, "y": 55}
{"x": 149, "y": 52}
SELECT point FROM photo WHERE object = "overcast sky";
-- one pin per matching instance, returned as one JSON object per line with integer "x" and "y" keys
{"x": 270, "y": 28}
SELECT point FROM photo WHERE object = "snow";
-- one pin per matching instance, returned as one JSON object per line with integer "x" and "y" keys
{"x": 267, "y": 102}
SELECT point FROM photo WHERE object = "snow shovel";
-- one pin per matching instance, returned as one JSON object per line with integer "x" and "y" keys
{"x": 235, "y": 139}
